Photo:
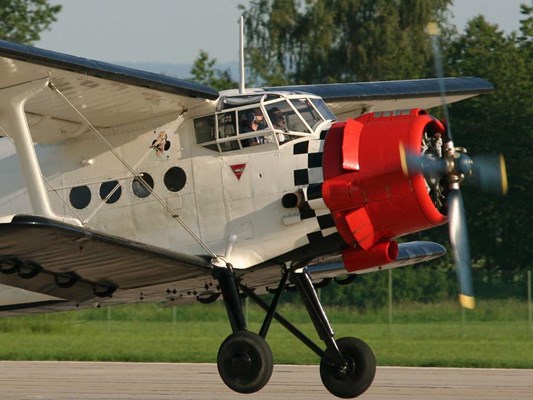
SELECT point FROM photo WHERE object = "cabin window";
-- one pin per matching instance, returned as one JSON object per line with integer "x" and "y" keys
{"x": 175, "y": 179}
{"x": 109, "y": 187}
{"x": 140, "y": 190}
{"x": 80, "y": 197}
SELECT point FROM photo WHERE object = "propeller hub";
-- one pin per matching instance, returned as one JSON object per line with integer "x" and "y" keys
{"x": 463, "y": 164}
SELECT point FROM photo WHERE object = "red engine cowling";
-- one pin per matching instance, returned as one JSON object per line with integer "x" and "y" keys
{"x": 370, "y": 198}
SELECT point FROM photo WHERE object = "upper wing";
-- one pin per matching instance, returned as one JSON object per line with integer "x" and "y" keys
{"x": 348, "y": 100}
{"x": 109, "y": 95}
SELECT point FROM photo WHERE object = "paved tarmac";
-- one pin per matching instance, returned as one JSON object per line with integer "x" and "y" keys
{"x": 31, "y": 380}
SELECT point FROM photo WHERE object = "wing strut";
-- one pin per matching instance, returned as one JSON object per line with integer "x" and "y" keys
{"x": 12, "y": 101}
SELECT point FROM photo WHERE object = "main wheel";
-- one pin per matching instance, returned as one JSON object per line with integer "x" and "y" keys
{"x": 245, "y": 362}
{"x": 359, "y": 373}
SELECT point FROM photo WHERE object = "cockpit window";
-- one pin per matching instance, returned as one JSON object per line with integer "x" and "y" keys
{"x": 204, "y": 129}
{"x": 272, "y": 119}
{"x": 323, "y": 109}
{"x": 308, "y": 112}
{"x": 227, "y": 129}
{"x": 253, "y": 122}
{"x": 226, "y": 125}
{"x": 283, "y": 117}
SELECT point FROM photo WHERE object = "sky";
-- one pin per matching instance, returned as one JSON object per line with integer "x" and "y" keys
{"x": 174, "y": 31}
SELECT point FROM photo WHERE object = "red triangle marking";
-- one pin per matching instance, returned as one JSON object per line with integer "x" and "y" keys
{"x": 238, "y": 170}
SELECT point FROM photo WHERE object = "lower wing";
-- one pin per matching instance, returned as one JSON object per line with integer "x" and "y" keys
{"x": 51, "y": 266}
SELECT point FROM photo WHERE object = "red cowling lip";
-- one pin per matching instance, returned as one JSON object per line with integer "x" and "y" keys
{"x": 370, "y": 198}
{"x": 418, "y": 181}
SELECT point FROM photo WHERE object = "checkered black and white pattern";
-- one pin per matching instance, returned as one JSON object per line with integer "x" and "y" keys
{"x": 313, "y": 196}
{"x": 310, "y": 161}
{"x": 310, "y": 177}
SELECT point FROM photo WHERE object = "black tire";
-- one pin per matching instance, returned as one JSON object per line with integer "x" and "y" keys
{"x": 245, "y": 362}
{"x": 359, "y": 374}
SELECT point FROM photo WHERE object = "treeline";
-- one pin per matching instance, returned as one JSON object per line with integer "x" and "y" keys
{"x": 421, "y": 284}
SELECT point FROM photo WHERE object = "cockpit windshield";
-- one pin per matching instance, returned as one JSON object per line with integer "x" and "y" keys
{"x": 268, "y": 119}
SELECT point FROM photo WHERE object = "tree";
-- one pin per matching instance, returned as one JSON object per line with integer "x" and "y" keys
{"x": 22, "y": 21}
{"x": 324, "y": 41}
{"x": 500, "y": 228}
{"x": 204, "y": 71}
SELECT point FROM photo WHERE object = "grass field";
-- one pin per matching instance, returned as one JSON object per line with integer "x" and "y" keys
{"x": 497, "y": 334}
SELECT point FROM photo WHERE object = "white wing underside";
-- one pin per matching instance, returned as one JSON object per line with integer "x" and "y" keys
{"x": 119, "y": 99}
{"x": 112, "y": 98}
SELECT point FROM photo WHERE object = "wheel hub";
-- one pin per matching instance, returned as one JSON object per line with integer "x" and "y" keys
{"x": 347, "y": 369}
{"x": 241, "y": 363}
{"x": 245, "y": 362}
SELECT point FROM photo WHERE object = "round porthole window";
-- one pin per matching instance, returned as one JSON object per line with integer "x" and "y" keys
{"x": 106, "y": 188}
{"x": 80, "y": 197}
{"x": 139, "y": 189}
{"x": 175, "y": 179}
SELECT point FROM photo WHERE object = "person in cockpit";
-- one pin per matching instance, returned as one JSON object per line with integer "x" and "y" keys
{"x": 279, "y": 122}
{"x": 254, "y": 120}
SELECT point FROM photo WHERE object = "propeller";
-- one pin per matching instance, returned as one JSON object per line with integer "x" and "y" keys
{"x": 442, "y": 159}
{"x": 487, "y": 171}
{"x": 460, "y": 247}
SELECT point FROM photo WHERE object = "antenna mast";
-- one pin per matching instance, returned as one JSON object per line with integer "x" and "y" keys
{"x": 241, "y": 55}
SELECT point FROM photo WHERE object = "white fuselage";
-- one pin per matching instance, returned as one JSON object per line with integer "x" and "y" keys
{"x": 229, "y": 200}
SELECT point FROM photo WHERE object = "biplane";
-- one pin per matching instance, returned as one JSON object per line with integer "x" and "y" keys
{"x": 122, "y": 186}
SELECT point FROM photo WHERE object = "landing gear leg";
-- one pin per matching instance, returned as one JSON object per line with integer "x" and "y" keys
{"x": 349, "y": 366}
{"x": 244, "y": 359}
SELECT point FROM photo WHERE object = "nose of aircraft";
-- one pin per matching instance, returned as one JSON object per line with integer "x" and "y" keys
{"x": 371, "y": 200}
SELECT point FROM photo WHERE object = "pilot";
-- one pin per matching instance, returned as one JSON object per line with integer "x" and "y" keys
{"x": 279, "y": 122}
{"x": 254, "y": 121}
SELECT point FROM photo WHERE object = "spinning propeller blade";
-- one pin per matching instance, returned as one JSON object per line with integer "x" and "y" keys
{"x": 488, "y": 172}
{"x": 460, "y": 247}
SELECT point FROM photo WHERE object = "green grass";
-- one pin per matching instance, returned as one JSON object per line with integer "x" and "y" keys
{"x": 496, "y": 335}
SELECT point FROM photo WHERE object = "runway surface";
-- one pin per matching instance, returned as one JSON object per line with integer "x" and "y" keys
{"x": 31, "y": 380}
